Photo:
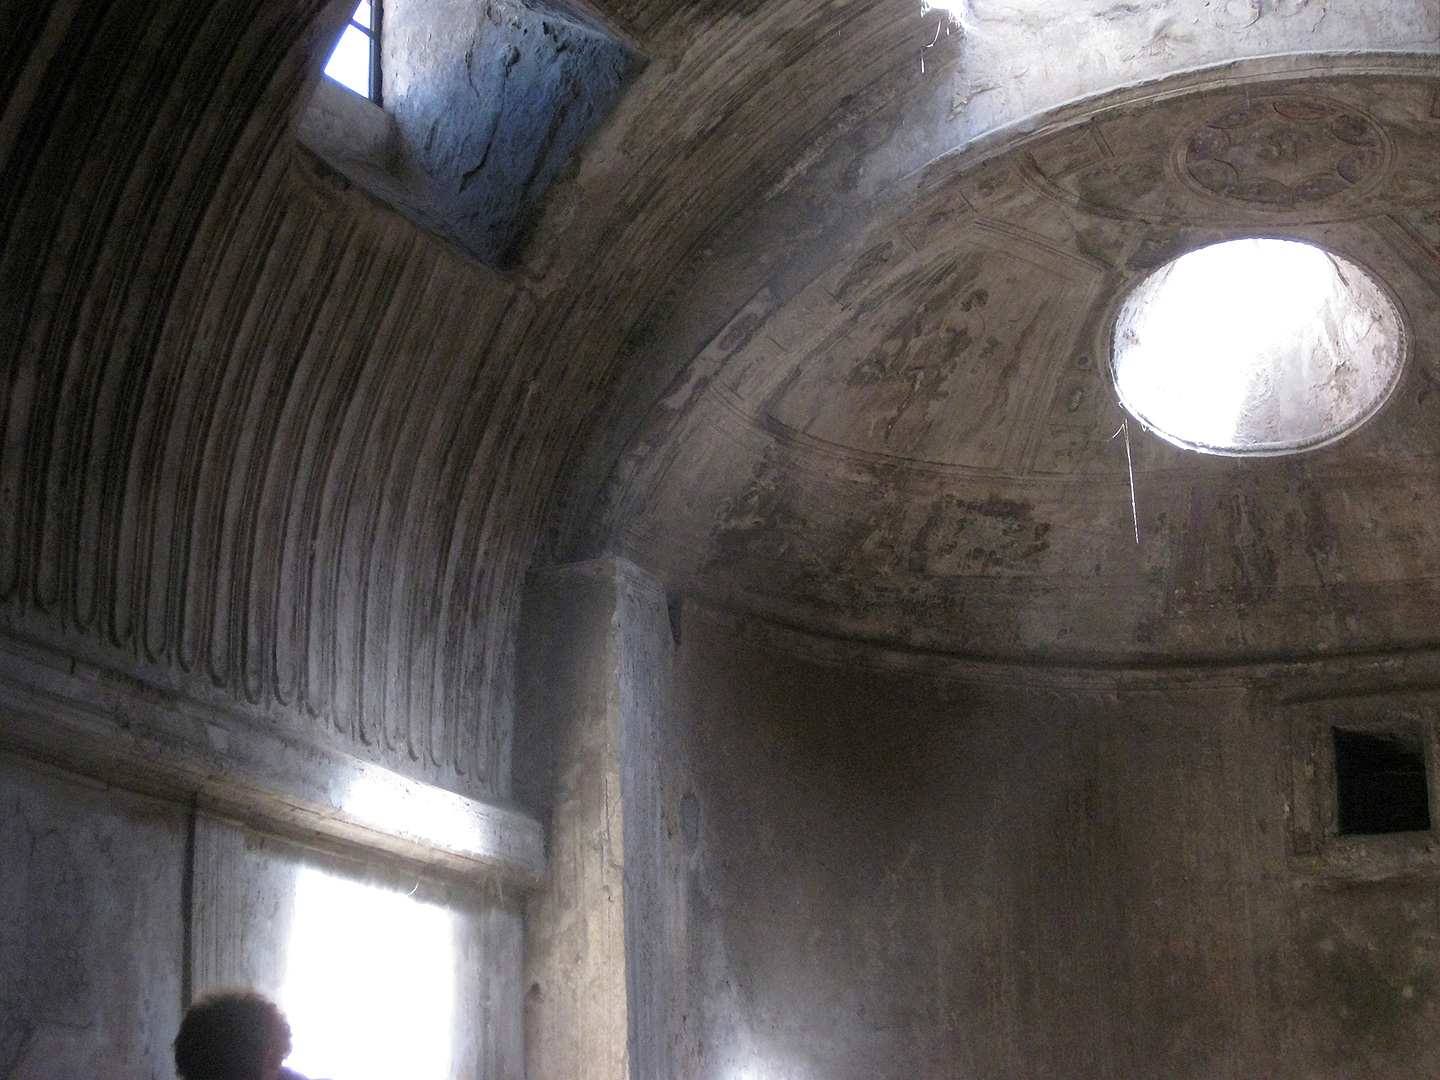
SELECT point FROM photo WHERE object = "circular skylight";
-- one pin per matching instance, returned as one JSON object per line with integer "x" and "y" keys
{"x": 1256, "y": 347}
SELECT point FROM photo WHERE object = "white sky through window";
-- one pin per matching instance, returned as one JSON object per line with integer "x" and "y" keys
{"x": 350, "y": 62}
{"x": 370, "y": 982}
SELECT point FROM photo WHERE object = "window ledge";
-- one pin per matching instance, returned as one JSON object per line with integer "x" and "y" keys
{"x": 1371, "y": 858}
{"x": 351, "y": 133}
{"x": 105, "y": 724}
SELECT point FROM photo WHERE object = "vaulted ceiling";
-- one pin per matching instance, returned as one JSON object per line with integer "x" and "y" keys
{"x": 813, "y": 326}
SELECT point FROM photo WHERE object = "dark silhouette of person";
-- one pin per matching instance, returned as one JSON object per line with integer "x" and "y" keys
{"x": 234, "y": 1034}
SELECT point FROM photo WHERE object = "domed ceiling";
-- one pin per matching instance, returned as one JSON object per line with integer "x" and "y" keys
{"x": 920, "y": 445}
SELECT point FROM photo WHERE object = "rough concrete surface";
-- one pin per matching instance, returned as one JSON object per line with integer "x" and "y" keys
{"x": 570, "y": 769}
{"x": 605, "y": 934}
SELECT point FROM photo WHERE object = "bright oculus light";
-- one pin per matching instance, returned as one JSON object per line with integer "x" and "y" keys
{"x": 370, "y": 983}
{"x": 1256, "y": 347}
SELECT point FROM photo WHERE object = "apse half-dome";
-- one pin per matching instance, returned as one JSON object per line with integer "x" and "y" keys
{"x": 1257, "y": 347}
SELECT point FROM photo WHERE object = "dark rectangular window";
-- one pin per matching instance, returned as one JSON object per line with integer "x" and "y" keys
{"x": 1380, "y": 782}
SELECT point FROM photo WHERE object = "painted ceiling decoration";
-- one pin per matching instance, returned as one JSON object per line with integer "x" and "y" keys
{"x": 918, "y": 446}
{"x": 875, "y": 710}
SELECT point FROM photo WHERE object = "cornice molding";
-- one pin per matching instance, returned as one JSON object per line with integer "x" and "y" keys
{"x": 108, "y": 725}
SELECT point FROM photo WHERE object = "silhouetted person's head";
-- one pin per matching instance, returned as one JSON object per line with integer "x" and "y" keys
{"x": 232, "y": 1035}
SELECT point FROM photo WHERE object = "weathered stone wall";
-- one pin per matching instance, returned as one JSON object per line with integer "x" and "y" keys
{"x": 570, "y": 770}
{"x": 268, "y": 441}
{"x": 905, "y": 869}
{"x": 231, "y": 415}
{"x": 91, "y": 928}
{"x": 275, "y": 458}
{"x": 919, "y": 446}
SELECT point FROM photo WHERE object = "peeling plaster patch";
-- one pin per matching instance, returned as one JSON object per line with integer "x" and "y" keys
{"x": 964, "y": 537}
{"x": 928, "y": 364}
{"x": 923, "y": 352}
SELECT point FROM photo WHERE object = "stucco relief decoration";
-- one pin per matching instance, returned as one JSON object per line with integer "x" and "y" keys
{"x": 1284, "y": 153}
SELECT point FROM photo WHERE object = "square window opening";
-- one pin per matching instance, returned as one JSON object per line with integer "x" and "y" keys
{"x": 1381, "y": 782}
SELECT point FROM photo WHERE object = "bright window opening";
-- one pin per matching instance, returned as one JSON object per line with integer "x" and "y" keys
{"x": 355, "y": 61}
{"x": 370, "y": 982}
{"x": 1256, "y": 346}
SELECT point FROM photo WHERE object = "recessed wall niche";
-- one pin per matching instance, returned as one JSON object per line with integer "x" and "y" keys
{"x": 1362, "y": 785}
{"x": 1381, "y": 783}
{"x": 482, "y": 105}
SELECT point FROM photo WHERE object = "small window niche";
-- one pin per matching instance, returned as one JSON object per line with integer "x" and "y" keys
{"x": 482, "y": 106}
{"x": 1381, "y": 782}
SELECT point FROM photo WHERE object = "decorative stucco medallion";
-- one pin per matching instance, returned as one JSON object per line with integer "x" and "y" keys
{"x": 1284, "y": 153}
